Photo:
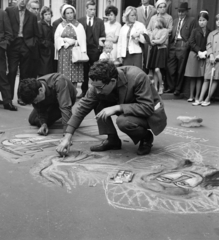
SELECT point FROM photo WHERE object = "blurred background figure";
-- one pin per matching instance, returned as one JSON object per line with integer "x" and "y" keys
{"x": 46, "y": 42}
{"x": 112, "y": 28}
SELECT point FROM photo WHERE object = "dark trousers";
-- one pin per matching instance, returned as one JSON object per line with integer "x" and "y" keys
{"x": 135, "y": 127}
{"x": 176, "y": 64}
{"x": 4, "y": 83}
{"x": 54, "y": 114}
{"x": 93, "y": 57}
{"x": 18, "y": 55}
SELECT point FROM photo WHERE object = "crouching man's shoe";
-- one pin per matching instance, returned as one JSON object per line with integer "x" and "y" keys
{"x": 10, "y": 106}
{"x": 107, "y": 145}
{"x": 146, "y": 144}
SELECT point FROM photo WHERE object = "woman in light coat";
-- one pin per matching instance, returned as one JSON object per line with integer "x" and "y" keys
{"x": 67, "y": 34}
{"x": 129, "y": 50}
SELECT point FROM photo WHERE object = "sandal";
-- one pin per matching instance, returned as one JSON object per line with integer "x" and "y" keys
{"x": 196, "y": 103}
{"x": 190, "y": 100}
{"x": 205, "y": 104}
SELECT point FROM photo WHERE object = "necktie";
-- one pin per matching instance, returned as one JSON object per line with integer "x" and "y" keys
{"x": 178, "y": 30}
{"x": 89, "y": 23}
{"x": 146, "y": 12}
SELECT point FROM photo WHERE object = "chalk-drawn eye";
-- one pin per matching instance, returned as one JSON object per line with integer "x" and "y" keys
{"x": 181, "y": 184}
{"x": 163, "y": 179}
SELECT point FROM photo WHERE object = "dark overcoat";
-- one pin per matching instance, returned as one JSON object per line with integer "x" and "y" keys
{"x": 46, "y": 49}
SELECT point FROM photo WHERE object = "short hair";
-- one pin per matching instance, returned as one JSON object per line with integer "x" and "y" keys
{"x": 45, "y": 10}
{"x": 128, "y": 10}
{"x": 161, "y": 22}
{"x": 88, "y": 3}
{"x": 29, "y": 89}
{"x": 112, "y": 9}
{"x": 204, "y": 14}
{"x": 32, "y": 1}
{"x": 217, "y": 17}
{"x": 103, "y": 70}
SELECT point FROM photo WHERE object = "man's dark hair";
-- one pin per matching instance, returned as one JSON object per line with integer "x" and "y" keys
{"x": 103, "y": 70}
{"x": 88, "y": 3}
{"x": 112, "y": 9}
{"x": 29, "y": 89}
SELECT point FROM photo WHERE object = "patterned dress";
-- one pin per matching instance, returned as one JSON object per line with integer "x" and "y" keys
{"x": 73, "y": 71}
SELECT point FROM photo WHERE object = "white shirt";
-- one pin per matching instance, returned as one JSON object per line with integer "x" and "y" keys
{"x": 91, "y": 19}
{"x": 179, "y": 35}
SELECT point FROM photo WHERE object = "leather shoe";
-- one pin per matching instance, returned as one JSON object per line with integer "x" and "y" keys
{"x": 146, "y": 144}
{"x": 168, "y": 91}
{"x": 107, "y": 145}
{"x": 19, "y": 101}
{"x": 176, "y": 93}
{"x": 10, "y": 106}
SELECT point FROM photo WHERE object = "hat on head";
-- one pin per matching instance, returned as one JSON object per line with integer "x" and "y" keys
{"x": 67, "y": 6}
{"x": 160, "y": 2}
{"x": 183, "y": 6}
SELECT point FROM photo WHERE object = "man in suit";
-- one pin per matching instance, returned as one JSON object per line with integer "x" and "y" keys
{"x": 179, "y": 49}
{"x": 24, "y": 41}
{"x": 125, "y": 92}
{"x": 95, "y": 30}
{"x": 34, "y": 7}
{"x": 144, "y": 14}
{"x": 5, "y": 38}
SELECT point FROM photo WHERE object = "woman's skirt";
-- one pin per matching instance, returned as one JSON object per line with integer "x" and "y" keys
{"x": 73, "y": 71}
{"x": 133, "y": 60}
{"x": 195, "y": 67}
{"x": 157, "y": 58}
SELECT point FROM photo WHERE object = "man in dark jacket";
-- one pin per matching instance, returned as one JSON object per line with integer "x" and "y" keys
{"x": 22, "y": 49}
{"x": 127, "y": 93}
{"x": 95, "y": 30}
{"x": 179, "y": 49}
{"x": 5, "y": 37}
{"x": 52, "y": 96}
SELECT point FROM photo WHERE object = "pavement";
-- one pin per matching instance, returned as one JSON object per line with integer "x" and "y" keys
{"x": 173, "y": 195}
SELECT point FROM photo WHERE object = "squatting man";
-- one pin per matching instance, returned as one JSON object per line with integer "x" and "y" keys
{"x": 126, "y": 92}
{"x": 52, "y": 97}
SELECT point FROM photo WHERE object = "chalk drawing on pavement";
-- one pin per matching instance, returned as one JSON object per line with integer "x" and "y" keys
{"x": 178, "y": 179}
{"x": 183, "y": 133}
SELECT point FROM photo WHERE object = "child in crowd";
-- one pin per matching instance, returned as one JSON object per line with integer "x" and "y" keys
{"x": 158, "y": 53}
{"x": 107, "y": 51}
{"x": 197, "y": 57}
{"x": 212, "y": 61}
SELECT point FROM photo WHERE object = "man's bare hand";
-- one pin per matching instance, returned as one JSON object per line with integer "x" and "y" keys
{"x": 108, "y": 112}
{"x": 212, "y": 59}
{"x": 43, "y": 130}
{"x": 64, "y": 147}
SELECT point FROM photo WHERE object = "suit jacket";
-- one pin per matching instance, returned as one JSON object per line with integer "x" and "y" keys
{"x": 30, "y": 28}
{"x": 188, "y": 24}
{"x": 5, "y": 30}
{"x": 141, "y": 14}
{"x": 136, "y": 96}
{"x": 98, "y": 28}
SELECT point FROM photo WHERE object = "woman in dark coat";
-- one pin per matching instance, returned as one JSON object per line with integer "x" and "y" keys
{"x": 46, "y": 45}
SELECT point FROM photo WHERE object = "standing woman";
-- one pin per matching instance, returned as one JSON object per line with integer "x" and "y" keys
{"x": 129, "y": 50}
{"x": 212, "y": 61}
{"x": 196, "y": 62}
{"x": 112, "y": 28}
{"x": 46, "y": 42}
{"x": 67, "y": 34}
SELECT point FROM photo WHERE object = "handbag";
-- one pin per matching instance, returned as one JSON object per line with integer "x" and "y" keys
{"x": 77, "y": 55}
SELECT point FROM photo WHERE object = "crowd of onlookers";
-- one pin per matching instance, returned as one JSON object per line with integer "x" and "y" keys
{"x": 148, "y": 38}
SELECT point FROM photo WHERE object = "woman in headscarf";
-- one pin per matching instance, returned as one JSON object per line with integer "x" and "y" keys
{"x": 129, "y": 50}
{"x": 67, "y": 34}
